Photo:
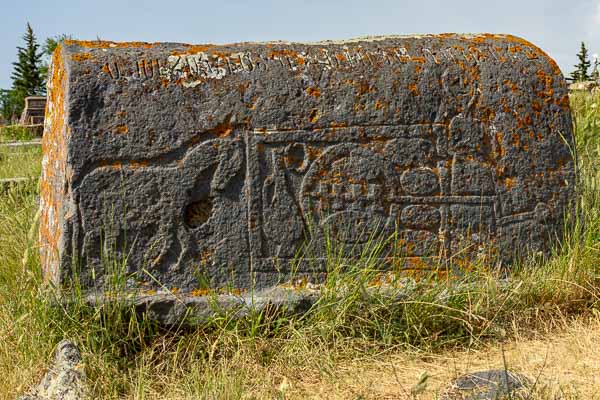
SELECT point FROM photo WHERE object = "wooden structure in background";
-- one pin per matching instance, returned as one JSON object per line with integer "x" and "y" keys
{"x": 33, "y": 113}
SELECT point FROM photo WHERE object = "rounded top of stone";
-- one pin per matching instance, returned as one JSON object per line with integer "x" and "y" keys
{"x": 478, "y": 37}
{"x": 188, "y": 49}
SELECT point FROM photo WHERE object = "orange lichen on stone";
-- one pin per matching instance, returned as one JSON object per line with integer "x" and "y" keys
{"x": 286, "y": 53}
{"x": 516, "y": 139}
{"x": 548, "y": 93}
{"x": 505, "y": 106}
{"x": 121, "y": 129}
{"x": 138, "y": 164}
{"x": 509, "y": 182}
{"x": 200, "y": 292}
{"x": 499, "y": 141}
{"x": 513, "y": 86}
{"x": 242, "y": 87}
{"x": 116, "y": 165}
{"x": 313, "y": 152}
{"x": 223, "y": 129}
{"x": 81, "y": 56}
{"x": 192, "y": 49}
{"x": 283, "y": 52}
{"x": 537, "y": 51}
{"x": 54, "y": 147}
{"x": 359, "y": 107}
{"x": 525, "y": 121}
{"x": 312, "y": 91}
{"x": 104, "y": 44}
{"x": 364, "y": 87}
{"x": 518, "y": 45}
{"x": 338, "y": 125}
{"x": 413, "y": 89}
{"x": 563, "y": 102}
{"x": 314, "y": 115}
{"x": 341, "y": 58}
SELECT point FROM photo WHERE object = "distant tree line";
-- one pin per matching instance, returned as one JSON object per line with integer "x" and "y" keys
{"x": 582, "y": 68}
{"x": 29, "y": 75}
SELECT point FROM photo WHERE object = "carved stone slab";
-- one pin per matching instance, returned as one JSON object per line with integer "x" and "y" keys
{"x": 215, "y": 164}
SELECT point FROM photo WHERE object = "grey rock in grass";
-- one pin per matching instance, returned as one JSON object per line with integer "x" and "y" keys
{"x": 488, "y": 385}
{"x": 182, "y": 167}
{"x": 66, "y": 378}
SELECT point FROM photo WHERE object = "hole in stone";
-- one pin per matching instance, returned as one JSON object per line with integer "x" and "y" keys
{"x": 198, "y": 212}
{"x": 295, "y": 156}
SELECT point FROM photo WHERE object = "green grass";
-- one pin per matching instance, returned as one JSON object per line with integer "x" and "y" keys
{"x": 22, "y": 161}
{"x": 16, "y": 132}
{"x": 130, "y": 357}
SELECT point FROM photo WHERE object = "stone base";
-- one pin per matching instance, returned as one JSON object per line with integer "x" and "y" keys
{"x": 170, "y": 309}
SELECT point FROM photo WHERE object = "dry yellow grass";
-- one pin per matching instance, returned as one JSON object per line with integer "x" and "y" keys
{"x": 564, "y": 360}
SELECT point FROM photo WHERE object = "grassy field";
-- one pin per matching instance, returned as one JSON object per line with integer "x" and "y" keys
{"x": 23, "y": 161}
{"x": 353, "y": 343}
{"x": 13, "y": 133}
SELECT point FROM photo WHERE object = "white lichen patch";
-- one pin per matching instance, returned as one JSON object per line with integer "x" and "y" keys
{"x": 188, "y": 66}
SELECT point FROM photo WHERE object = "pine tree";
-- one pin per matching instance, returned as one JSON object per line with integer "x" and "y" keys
{"x": 27, "y": 77}
{"x": 581, "y": 69}
{"x": 10, "y": 105}
{"x": 595, "y": 73}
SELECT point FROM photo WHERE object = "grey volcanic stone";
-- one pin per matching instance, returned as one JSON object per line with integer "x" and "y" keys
{"x": 211, "y": 166}
{"x": 193, "y": 309}
{"x": 66, "y": 378}
{"x": 488, "y": 385}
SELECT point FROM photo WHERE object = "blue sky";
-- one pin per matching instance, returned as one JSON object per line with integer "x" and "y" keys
{"x": 557, "y": 26}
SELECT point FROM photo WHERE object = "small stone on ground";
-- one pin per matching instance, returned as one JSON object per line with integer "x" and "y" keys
{"x": 66, "y": 378}
{"x": 487, "y": 385}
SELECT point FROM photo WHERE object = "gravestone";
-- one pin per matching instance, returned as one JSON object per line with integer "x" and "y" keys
{"x": 215, "y": 165}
